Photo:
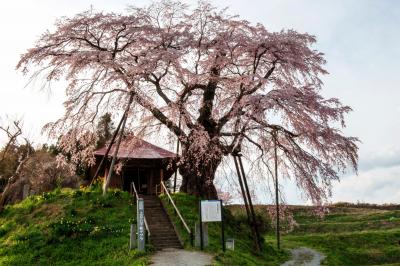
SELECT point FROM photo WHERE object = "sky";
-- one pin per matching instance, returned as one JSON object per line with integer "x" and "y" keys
{"x": 360, "y": 39}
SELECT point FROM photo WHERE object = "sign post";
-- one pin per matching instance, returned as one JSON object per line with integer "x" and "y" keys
{"x": 140, "y": 224}
{"x": 222, "y": 228}
{"x": 201, "y": 228}
{"x": 132, "y": 242}
{"x": 211, "y": 211}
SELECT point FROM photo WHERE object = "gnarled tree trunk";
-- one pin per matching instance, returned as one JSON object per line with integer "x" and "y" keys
{"x": 200, "y": 159}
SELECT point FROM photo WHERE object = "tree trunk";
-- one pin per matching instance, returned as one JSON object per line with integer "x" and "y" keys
{"x": 198, "y": 167}
{"x": 13, "y": 179}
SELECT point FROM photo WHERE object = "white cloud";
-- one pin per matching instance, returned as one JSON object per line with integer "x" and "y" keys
{"x": 380, "y": 185}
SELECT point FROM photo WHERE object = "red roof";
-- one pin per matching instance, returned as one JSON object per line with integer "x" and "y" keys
{"x": 136, "y": 148}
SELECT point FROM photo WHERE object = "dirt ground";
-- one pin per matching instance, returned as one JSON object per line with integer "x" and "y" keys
{"x": 305, "y": 257}
{"x": 180, "y": 257}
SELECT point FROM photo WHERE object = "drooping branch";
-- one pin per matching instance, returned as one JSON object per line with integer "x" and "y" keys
{"x": 236, "y": 107}
{"x": 12, "y": 135}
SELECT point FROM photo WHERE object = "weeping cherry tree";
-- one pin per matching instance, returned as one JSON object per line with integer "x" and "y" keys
{"x": 230, "y": 83}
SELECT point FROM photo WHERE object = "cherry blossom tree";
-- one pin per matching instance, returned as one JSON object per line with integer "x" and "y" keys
{"x": 231, "y": 84}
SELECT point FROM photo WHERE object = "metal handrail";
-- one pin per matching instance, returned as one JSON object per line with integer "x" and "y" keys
{"x": 177, "y": 211}
{"x": 145, "y": 221}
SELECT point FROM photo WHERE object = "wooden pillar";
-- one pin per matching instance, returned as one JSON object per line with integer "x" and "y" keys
{"x": 151, "y": 182}
{"x": 162, "y": 179}
{"x": 105, "y": 176}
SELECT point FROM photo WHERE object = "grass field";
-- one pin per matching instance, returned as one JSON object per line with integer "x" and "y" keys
{"x": 348, "y": 235}
{"x": 81, "y": 227}
{"x": 67, "y": 227}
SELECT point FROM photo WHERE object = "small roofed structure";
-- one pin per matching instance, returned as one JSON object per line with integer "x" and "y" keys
{"x": 143, "y": 163}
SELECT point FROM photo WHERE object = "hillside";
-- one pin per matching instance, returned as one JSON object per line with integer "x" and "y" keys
{"x": 69, "y": 227}
{"x": 81, "y": 227}
{"x": 349, "y": 234}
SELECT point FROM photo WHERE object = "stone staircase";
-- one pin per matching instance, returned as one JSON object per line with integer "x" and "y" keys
{"x": 161, "y": 229}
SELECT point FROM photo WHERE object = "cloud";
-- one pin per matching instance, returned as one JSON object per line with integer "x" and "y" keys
{"x": 377, "y": 185}
{"x": 380, "y": 159}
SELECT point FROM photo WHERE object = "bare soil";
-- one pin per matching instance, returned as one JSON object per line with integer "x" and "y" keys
{"x": 180, "y": 257}
{"x": 305, "y": 257}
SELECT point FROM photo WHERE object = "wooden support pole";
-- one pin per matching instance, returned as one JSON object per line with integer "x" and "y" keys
{"x": 108, "y": 150}
{"x": 111, "y": 170}
{"x": 162, "y": 180}
{"x": 242, "y": 189}
{"x": 257, "y": 233}
{"x": 177, "y": 152}
{"x": 222, "y": 228}
{"x": 246, "y": 204}
{"x": 121, "y": 134}
{"x": 201, "y": 228}
{"x": 278, "y": 235}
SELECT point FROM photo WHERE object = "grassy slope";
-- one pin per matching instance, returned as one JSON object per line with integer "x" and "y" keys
{"x": 83, "y": 228}
{"x": 66, "y": 227}
{"x": 236, "y": 227}
{"x": 349, "y": 236}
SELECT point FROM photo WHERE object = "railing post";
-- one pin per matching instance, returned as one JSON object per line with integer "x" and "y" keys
{"x": 164, "y": 189}
{"x": 134, "y": 192}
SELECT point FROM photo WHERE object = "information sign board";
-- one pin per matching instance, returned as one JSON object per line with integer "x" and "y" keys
{"x": 211, "y": 211}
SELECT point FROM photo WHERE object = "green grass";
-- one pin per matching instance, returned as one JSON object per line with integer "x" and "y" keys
{"x": 235, "y": 227}
{"x": 69, "y": 227}
{"x": 348, "y": 236}
{"x": 81, "y": 227}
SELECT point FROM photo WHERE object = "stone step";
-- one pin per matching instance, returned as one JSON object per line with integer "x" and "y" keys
{"x": 152, "y": 222}
{"x": 162, "y": 232}
{"x": 156, "y": 214}
{"x": 160, "y": 229}
{"x": 172, "y": 245}
{"x": 161, "y": 240}
{"x": 155, "y": 217}
{"x": 157, "y": 221}
{"x": 167, "y": 244}
{"x": 159, "y": 225}
{"x": 160, "y": 213}
{"x": 165, "y": 233}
